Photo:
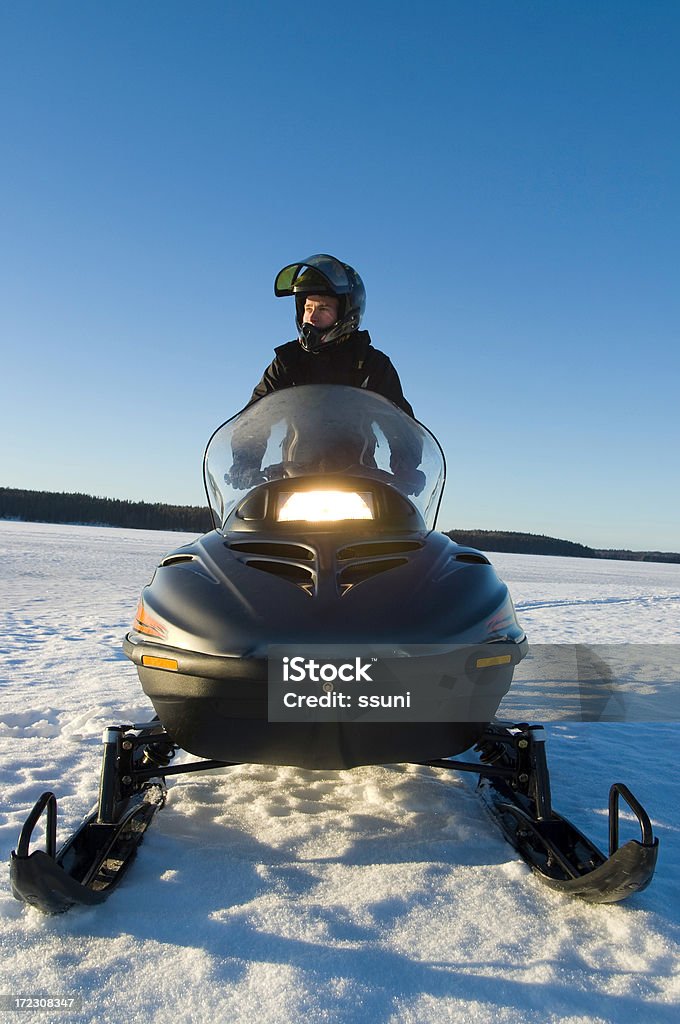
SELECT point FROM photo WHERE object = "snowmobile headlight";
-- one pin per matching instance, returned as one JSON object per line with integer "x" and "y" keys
{"x": 324, "y": 506}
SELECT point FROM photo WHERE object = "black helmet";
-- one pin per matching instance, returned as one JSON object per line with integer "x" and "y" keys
{"x": 323, "y": 275}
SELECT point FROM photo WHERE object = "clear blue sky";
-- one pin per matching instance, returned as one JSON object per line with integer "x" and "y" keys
{"x": 504, "y": 175}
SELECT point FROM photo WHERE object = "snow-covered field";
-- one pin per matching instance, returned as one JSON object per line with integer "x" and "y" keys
{"x": 282, "y": 895}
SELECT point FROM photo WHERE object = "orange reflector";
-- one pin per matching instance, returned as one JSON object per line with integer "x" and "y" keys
{"x": 145, "y": 623}
{"x": 503, "y": 659}
{"x": 150, "y": 662}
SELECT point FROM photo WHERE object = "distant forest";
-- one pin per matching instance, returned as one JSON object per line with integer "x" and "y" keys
{"x": 83, "y": 509}
{"x": 537, "y": 544}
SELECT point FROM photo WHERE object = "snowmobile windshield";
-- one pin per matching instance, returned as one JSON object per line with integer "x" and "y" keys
{"x": 316, "y": 430}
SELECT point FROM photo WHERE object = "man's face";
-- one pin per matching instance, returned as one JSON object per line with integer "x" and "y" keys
{"x": 321, "y": 310}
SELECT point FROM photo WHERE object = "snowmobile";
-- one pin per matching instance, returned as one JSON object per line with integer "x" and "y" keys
{"x": 324, "y": 561}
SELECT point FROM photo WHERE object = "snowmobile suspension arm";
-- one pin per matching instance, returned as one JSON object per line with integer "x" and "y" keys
{"x": 124, "y": 773}
{"x": 142, "y": 774}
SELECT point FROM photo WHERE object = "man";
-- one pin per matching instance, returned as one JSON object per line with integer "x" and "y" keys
{"x": 330, "y": 349}
{"x": 330, "y": 299}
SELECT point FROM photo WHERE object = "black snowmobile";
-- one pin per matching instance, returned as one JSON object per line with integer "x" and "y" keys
{"x": 324, "y": 559}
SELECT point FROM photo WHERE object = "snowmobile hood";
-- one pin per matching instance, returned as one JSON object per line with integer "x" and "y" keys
{"x": 235, "y": 594}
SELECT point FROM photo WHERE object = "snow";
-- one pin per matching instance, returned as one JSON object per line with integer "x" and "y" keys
{"x": 380, "y": 895}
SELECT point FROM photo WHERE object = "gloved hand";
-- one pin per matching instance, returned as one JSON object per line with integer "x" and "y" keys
{"x": 242, "y": 476}
{"x": 413, "y": 482}
{"x": 407, "y": 477}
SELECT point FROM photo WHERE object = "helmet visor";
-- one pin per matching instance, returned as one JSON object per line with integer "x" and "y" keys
{"x": 331, "y": 269}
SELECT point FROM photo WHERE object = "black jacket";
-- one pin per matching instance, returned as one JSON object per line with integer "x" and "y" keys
{"x": 354, "y": 363}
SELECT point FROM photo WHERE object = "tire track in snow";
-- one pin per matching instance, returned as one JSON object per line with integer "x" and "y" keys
{"x": 585, "y": 601}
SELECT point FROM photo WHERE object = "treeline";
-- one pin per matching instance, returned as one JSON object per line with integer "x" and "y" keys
{"x": 520, "y": 543}
{"x": 539, "y": 544}
{"x": 639, "y": 556}
{"x": 50, "y": 507}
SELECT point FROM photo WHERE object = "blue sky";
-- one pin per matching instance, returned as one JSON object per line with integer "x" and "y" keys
{"x": 504, "y": 175}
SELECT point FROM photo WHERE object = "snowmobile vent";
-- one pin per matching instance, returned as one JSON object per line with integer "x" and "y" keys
{"x": 360, "y": 571}
{"x": 370, "y": 558}
{"x": 282, "y": 560}
{"x": 370, "y": 549}
{"x": 272, "y": 548}
{"x": 472, "y": 558}
{"x": 176, "y": 560}
{"x": 300, "y": 575}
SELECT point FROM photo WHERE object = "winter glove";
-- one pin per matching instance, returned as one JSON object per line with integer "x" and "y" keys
{"x": 408, "y": 478}
{"x": 243, "y": 475}
{"x": 414, "y": 481}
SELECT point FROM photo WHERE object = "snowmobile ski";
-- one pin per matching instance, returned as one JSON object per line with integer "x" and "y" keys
{"x": 515, "y": 786}
{"x": 563, "y": 857}
{"x": 89, "y": 865}
{"x": 94, "y": 859}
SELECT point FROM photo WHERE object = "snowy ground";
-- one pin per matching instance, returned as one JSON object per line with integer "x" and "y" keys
{"x": 280, "y": 895}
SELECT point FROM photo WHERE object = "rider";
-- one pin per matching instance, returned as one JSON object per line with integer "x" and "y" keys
{"x": 330, "y": 349}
